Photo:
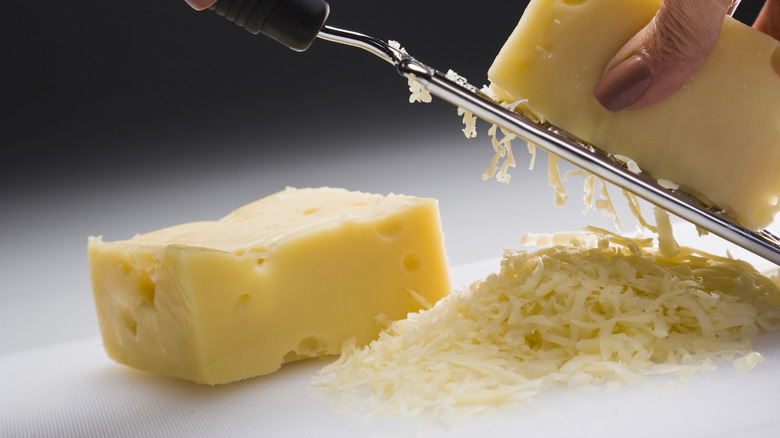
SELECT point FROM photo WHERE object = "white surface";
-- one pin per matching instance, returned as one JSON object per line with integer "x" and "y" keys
{"x": 55, "y": 379}
{"x": 73, "y": 389}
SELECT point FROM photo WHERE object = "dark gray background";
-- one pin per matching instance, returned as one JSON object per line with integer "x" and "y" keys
{"x": 107, "y": 84}
{"x": 116, "y": 83}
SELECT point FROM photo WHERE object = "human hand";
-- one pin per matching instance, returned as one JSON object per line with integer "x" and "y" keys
{"x": 199, "y": 5}
{"x": 667, "y": 52}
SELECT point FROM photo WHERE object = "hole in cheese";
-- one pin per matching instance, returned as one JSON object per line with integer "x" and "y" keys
{"x": 772, "y": 200}
{"x": 146, "y": 286}
{"x": 776, "y": 61}
{"x": 311, "y": 346}
{"x": 126, "y": 266}
{"x": 411, "y": 262}
{"x": 260, "y": 260}
{"x": 389, "y": 228}
{"x": 130, "y": 322}
{"x": 242, "y": 303}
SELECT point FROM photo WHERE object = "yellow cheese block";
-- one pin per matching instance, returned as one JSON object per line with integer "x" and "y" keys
{"x": 287, "y": 277}
{"x": 718, "y": 137}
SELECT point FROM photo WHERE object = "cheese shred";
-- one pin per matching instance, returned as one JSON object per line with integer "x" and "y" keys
{"x": 502, "y": 148}
{"x": 599, "y": 311}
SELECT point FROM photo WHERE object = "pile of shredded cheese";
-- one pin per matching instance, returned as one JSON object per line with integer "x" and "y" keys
{"x": 587, "y": 310}
{"x": 600, "y": 309}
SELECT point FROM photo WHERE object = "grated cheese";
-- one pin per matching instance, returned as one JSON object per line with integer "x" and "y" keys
{"x": 470, "y": 122}
{"x": 669, "y": 185}
{"x": 532, "y": 151}
{"x": 418, "y": 92}
{"x": 555, "y": 181}
{"x": 589, "y": 308}
{"x": 636, "y": 210}
{"x": 630, "y": 164}
{"x": 605, "y": 203}
{"x": 419, "y": 298}
{"x": 667, "y": 245}
{"x": 607, "y": 311}
{"x": 456, "y": 77}
{"x": 503, "y": 157}
{"x": 502, "y": 148}
{"x": 748, "y": 361}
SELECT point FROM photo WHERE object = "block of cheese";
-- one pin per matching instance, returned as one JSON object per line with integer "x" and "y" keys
{"x": 718, "y": 137}
{"x": 287, "y": 277}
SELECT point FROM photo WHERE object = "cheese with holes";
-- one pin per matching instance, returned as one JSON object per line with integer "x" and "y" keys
{"x": 718, "y": 137}
{"x": 290, "y": 276}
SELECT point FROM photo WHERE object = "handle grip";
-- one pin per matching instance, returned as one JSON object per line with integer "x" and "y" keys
{"x": 294, "y": 23}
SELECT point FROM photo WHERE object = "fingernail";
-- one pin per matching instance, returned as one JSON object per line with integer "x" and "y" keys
{"x": 200, "y": 4}
{"x": 624, "y": 83}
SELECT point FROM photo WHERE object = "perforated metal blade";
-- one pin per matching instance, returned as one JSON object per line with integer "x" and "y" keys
{"x": 556, "y": 141}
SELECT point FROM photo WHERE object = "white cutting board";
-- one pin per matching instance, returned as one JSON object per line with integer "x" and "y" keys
{"x": 74, "y": 390}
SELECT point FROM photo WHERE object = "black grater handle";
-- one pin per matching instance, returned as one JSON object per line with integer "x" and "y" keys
{"x": 294, "y": 23}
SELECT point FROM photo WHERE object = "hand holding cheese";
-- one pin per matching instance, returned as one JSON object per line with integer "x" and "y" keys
{"x": 668, "y": 51}
{"x": 718, "y": 138}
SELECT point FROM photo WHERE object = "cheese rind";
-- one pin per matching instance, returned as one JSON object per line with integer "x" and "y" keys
{"x": 291, "y": 276}
{"x": 718, "y": 137}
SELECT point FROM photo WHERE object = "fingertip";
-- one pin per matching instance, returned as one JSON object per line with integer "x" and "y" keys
{"x": 663, "y": 56}
{"x": 623, "y": 84}
{"x": 768, "y": 20}
{"x": 200, "y": 5}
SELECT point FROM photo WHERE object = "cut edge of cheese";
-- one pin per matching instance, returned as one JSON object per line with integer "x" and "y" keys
{"x": 291, "y": 276}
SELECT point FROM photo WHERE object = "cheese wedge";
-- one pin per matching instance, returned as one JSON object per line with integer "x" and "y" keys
{"x": 718, "y": 137}
{"x": 287, "y": 277}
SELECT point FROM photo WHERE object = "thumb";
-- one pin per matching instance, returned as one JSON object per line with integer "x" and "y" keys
{"x": 664, "y": 55}
{"x": 200, "y": 4}
{"x": 768, "y": 20}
